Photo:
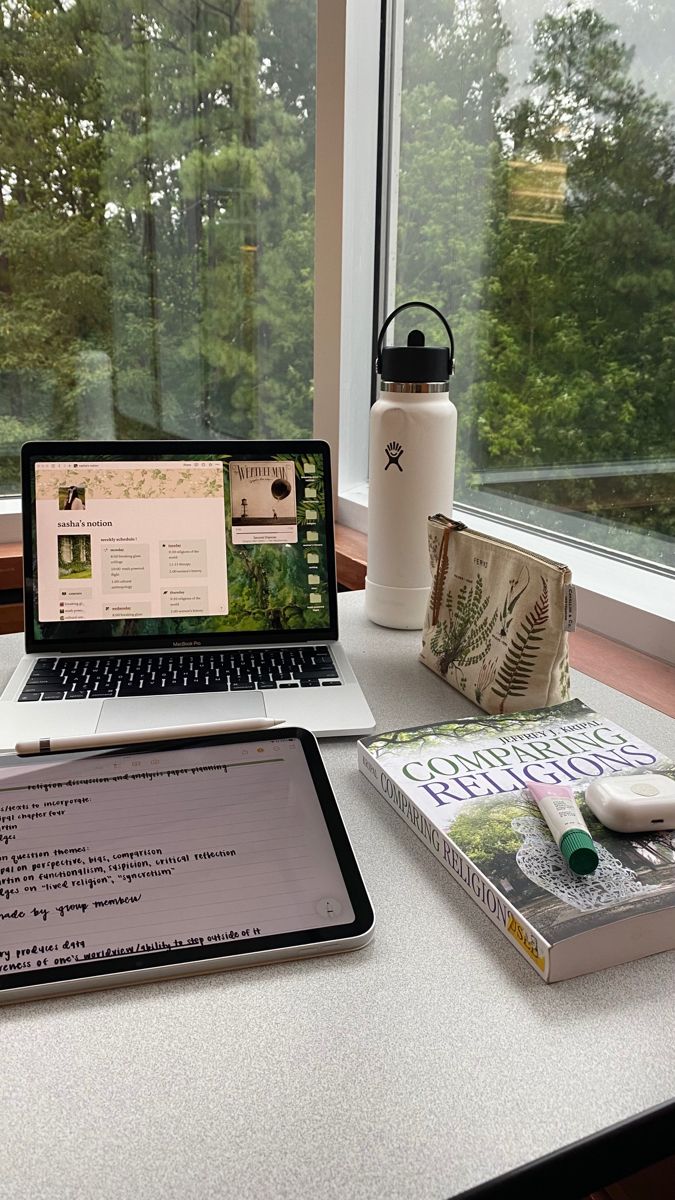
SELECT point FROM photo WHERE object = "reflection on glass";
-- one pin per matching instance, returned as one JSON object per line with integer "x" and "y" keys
{"x": 156, "y": 220}
{"x": 536, "y": 207}
{"x": 537, "y": 191}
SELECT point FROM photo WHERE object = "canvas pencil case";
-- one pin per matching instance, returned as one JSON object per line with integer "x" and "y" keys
{"x": 497, "y": 620}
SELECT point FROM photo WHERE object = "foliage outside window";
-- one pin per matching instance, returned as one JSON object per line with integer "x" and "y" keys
{"x": 536, "y": 207}
{"x": 156, "y": 220}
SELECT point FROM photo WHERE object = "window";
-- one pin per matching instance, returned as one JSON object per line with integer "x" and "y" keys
{"x": 165, "y": 272}
{"x": 531, "y": 197}
{"x": 156, "y": 220}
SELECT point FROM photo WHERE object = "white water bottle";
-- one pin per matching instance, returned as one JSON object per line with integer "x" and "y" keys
{"x": 413, "y": 433}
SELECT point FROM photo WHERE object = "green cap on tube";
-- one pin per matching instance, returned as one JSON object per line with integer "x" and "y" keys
{"x": 578, "y": 848}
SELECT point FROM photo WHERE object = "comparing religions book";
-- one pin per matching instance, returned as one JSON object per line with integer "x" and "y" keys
{"x": 462, "y": 786}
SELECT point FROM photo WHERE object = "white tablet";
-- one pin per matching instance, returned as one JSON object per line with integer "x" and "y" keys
{"x": 120, "y": 867}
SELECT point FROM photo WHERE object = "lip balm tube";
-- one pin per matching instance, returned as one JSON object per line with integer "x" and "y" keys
{"x": 562, "y": 814}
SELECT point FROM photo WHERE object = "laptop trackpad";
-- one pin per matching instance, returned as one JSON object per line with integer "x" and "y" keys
{"x": 156, "y": 712}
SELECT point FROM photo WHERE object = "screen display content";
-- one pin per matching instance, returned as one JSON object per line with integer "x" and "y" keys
{"x": 116, "y": 856}
{"x": 178, "y": 543}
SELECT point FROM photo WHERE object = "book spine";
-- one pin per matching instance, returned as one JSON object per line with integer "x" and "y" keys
{"x": 519, "y": 931}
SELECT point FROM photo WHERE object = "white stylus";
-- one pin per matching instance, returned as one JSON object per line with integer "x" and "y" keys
{"x": 94, "y": 741}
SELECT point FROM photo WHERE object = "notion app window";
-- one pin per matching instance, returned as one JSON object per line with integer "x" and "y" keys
{"x": 130, "y": 540}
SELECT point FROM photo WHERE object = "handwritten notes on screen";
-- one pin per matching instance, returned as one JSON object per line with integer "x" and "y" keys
{"x": 106, "y": 857}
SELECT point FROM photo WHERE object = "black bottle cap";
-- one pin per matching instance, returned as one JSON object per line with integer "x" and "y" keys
{"x": 415, "y": 363}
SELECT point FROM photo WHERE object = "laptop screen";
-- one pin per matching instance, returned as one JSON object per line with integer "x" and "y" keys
{"x": 174, "y": 543}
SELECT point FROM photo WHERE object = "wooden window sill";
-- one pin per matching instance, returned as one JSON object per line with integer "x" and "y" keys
{"x": 11, "y": 566}
{"x": 11, "y": 584}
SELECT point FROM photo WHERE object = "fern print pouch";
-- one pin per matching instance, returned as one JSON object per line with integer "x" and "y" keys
{"x": 497, "y": 620}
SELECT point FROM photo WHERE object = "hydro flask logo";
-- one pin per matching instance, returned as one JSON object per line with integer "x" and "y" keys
{"x": 393, "y": 452}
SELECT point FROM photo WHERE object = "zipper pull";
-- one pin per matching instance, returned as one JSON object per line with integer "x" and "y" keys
{"x": 447, "y": 521}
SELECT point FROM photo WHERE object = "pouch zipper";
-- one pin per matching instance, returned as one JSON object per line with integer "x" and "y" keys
{"x": 460, "y": 527}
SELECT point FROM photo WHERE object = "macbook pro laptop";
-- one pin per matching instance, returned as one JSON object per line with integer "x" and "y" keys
{"x": 174, "y": 583}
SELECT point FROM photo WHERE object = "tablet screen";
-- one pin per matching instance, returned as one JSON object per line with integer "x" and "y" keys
{"x": 135, "y": 859}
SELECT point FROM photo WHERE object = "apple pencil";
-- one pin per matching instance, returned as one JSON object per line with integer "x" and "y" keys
{"x": 95, "y": 741}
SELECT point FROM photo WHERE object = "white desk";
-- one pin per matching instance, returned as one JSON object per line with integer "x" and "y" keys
{"x": 428, "y": 1062}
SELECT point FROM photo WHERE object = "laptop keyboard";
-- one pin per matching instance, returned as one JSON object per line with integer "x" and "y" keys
{"x": 174, "y": 674}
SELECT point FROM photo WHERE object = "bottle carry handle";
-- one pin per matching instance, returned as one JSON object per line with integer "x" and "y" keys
{"x": 415, "y": 304}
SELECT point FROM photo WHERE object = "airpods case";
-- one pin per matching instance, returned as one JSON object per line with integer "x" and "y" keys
{"x": 633, "y": 803}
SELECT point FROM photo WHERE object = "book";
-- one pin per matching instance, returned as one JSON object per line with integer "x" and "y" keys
{"x": 462, "y": 786}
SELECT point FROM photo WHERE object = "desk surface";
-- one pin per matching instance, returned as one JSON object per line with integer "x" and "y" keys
{"x": 430, "y": 1061}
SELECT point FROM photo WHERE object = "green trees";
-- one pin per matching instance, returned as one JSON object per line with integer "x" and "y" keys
{"x": 541, "y": 218}
{"x": 156, "y": 227}
{"x": 485, "y": 833}
{"x": 590, "y": 299}
{"x": 156, "y": 218}
{"x": 50, "y": 218}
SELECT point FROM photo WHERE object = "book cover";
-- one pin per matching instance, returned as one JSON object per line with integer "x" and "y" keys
{"x": 462, "y": 786}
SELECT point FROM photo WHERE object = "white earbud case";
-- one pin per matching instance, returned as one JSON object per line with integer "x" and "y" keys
{"x": 633, "y": 803}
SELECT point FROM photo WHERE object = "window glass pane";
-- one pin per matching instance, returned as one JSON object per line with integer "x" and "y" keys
{"x": 536, "y": 207}
{"x": 156, "y": 220}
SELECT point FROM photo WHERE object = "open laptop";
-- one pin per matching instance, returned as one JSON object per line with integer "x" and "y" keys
{"x": 174, "y": 583}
